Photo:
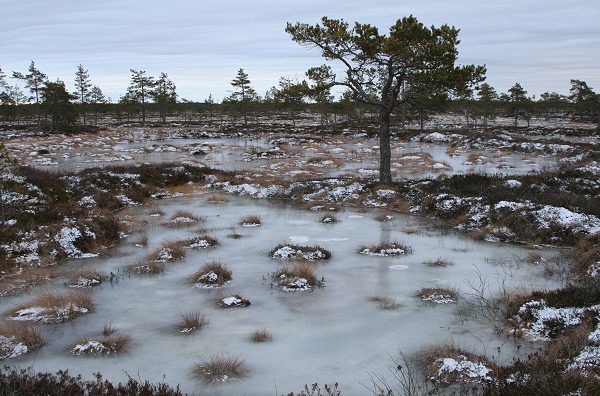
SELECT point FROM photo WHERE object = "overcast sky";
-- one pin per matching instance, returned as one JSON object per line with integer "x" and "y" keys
{"x": 201, "y": 44}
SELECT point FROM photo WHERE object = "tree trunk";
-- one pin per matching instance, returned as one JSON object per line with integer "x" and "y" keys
{"x": 385, "y": 152}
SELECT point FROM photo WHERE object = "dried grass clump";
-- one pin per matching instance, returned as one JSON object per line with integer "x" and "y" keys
{"x": 108, "y": 329}
{"x": 218, "y": 198}
{"x": 447, "y": 364}
{"x": 102, "y": 346}
{"x": 145, "y": 268}
{"x": 291, "y": 251}
{"x": 261, "y": 336}
{"x": 301, "y": 276}
{"x": 141, "y": 240}
{"x": 386, "y": 249}
{"x": 201, "y": 242}
{"x": 156, "y": 211}
{"x": 328, "y": 218}
{"x": 439, "y": 295}
{"x": 221, "y": 368}
{"x": 169, "y": 251}
{"x": 439, "y": 262}
{"x": 235, "y": 235}
{"x": 233, "y": 301}
{"x": 53, "y": 307}
{"x": 183, "y": 218}
{"x": 251, "y": 221}
{"x": 212, "y": 274}
{"x": 87, "y": 278}
{"x": 191, "y": 322}
{"x": 385, "y": 217}
{"x": 18, "y": 333}
{"x": 386, "y": 303}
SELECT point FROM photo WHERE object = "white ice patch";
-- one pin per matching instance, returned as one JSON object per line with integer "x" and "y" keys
{"x": 398, "y": 267}
{"x": 299, "y": 239}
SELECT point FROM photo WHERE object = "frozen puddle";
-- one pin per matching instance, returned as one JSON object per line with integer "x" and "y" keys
{"x": 399, "y": 267}
{"x": 330, "y": 334}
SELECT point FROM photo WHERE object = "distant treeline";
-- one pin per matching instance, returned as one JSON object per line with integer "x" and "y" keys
{"x": 50, "y": 106}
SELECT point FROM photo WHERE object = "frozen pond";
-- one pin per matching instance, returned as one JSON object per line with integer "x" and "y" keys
{"x": 332, "y": 334}
{"x": 233, "y": 154}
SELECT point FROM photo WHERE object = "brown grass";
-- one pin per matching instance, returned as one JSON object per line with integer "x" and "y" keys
{"x": 53, "y": 303}
{"x": 191, "y": 322}
{"x": 188, "y": 217}
{"x": 426, "y": 293}
{"x": 311, "y": 253}
{"x": 261, "y": 336}
{"x": 142, "y": 267}
{"x": 299, "y": 270}
{"x": 169, "y": 251}
{"x": 385, "y": 217}
{"x": 141, "y": 240}
{"x": 218, "y": 198}
{"x": 328, "y": 218}
{"x": 112, "y": 345}
{"x": 156, "y": 211}
{"x": 210, "y": 241}
{"x": 220, "y": 368}
{"x": 386, "y": 249}
{"x": 386, "y": 303}
{"x": 439, "y": 262}
{"x": 108, "y": 329}
{"x": 94, "y": 277}
{"x": 23, "y": 333}
{"x": 429, "y": 359}
{"x": 219, "y": 269}
{"x": 250, "y": 220}
{"x": 243, "y": 302}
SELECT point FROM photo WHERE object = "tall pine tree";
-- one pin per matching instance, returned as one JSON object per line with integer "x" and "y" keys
{"x": 140, "y": 89}
{"x": 34, "y": 80}
{"x": 164, "y": 95}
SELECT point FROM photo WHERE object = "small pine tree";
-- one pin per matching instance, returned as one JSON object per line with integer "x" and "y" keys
{"x": 83, "y": 84}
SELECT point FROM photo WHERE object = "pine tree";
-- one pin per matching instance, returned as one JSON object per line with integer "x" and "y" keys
{"x": 377, "y": 66}
{"x": 140, "y": 89}
{"x": 244, "y": 93}
{"x": 56, "y": 102}
{"x": 34, "y": 80}
{"x": 586, "y": 101}
{"x": 518, "y": 101}
{"x": 83, "y": 85}
{"x": 486, "y": 97}
{"x": 96, "y": 99}
{"x": 164, "y": 95}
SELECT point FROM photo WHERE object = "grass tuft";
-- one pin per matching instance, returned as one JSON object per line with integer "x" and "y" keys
{"x": 86, "y": 278}
{"x": 251, "y": 221}
{"x": 191, "y": 322}
{"x": 439, "y": 262}
{"x": 261, "y": 336}
{"x": 212, "y": 274}
{"x": 386, "y": 303}
{"x": 439, "y": 295}
{"x": 102, "y": 346}
{"x": 386, "y": 249}
{"x": 142, "y": 267}
{"x": 221, "y": 368}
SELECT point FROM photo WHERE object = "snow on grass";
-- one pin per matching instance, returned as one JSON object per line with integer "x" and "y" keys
{"x": 67, "y": 237}
{"x": 288, "y": 252}
{"x": 539, "y": 322}
{"x": 464, "y": 369}
{"x": 386, "y": 249}
{"x": 564, "y": 217}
